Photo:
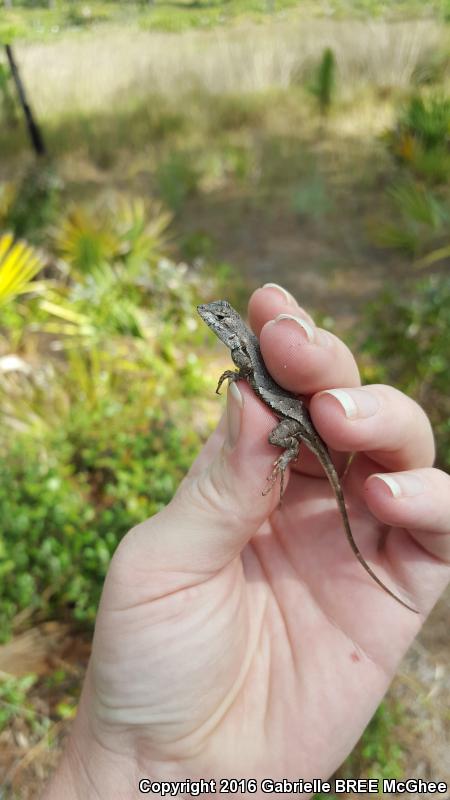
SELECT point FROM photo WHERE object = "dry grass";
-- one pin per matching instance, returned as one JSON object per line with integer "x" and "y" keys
{"x": 99, "y": 71}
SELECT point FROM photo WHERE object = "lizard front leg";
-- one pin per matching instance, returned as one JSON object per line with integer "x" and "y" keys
{"x": 284, "y": 435}
{"x": 231, "y": 374}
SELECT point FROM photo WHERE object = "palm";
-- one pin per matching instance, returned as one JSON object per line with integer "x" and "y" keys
{"x": 243, "y": 646}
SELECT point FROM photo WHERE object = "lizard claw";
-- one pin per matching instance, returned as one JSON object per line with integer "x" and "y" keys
{"x": 277, "y": 470}
{"x": 230, "y": 375}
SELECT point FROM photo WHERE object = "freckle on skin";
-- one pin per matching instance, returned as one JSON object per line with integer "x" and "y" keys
{"x": 355, "y": 657}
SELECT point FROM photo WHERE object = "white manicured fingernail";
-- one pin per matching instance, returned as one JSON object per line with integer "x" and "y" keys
{"x": 305, "y": 326}
{"x": 405, "y": 485}
{"x": 235, "y": 404}
{"x": 355, "y": 403}
{"x": 287, "y": 297}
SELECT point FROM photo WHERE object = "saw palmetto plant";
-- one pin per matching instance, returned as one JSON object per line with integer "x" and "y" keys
{"x": 126, "y": 231}
{"x": 418, "y": 224}
{"x": 19, "y": 263}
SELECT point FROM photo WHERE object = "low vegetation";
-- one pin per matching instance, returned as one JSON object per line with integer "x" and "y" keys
{"x": 101, "y": 371}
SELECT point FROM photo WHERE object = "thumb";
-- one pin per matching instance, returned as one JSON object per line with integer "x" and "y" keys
{"x": 219, "y": 506}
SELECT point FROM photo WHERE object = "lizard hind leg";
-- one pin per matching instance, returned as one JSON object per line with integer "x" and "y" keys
{"x": 283, "y": 436}
{"x": 231, "y": 375}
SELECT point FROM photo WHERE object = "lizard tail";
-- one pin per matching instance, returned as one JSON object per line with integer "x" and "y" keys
{"x": 333, "y": 478}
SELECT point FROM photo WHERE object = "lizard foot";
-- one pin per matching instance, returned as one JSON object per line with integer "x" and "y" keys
{"x": 231, "y": 374}
{"x": 292, "y": 445}
{"x": 279, "y": 468}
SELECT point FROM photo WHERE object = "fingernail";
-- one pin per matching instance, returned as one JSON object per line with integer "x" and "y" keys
{"x": 286, "y": 296}
{"x": 307, "y": 329}
{"x": 405, "y": 485}
{"x": 355, "y": 403}
{"x": 235, "y": 404}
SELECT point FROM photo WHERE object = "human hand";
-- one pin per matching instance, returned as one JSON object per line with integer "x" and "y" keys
{"x": 237, "y": 638}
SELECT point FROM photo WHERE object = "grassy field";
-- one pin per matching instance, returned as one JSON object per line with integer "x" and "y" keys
{"x": 87, "y": 75}
{"x": 204, "y": 133}
{"x": 225, "y": 124}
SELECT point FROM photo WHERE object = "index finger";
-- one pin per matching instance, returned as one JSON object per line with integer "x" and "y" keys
{"x": 301, "y": 357}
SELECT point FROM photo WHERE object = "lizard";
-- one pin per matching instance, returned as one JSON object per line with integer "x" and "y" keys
{"x": 295, "y": 424}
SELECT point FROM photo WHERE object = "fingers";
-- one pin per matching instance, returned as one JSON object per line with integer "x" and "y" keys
{"x": 301, "y": 357}
{"x": 212, "y": 446}
{"x": 418, "y": 501}
{"x": 218, "y": 506}
{"x": 269, "y": 301}
{"x": 378, "y": 420}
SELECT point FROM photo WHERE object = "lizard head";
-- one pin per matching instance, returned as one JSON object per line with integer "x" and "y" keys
{"x": 221, "y": 317}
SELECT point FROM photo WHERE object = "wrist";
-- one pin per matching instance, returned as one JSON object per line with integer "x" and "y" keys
{"x": 94, "y": 777}
{"x": 88, "y": 769}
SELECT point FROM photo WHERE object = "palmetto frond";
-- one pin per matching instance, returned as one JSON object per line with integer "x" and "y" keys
{"x": 19, "y": 263}
{"x": 142, "y": 227}
{"x": 86, "y": 240}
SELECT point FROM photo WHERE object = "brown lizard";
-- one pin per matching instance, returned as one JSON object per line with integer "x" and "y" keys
{"x": 295, "y": 425}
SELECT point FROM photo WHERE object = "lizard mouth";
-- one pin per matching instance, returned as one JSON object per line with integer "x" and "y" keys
{"x": 207, "y": 315}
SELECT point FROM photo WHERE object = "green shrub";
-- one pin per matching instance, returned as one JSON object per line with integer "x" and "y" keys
{"x": 418, "y": 219}
{"x": 421, "y": 138}
{"x": 427, "y": 120}
{"x": 407, "y": 344}
{"x": 67, "y": 500}
{"x": 101, "y": 428}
